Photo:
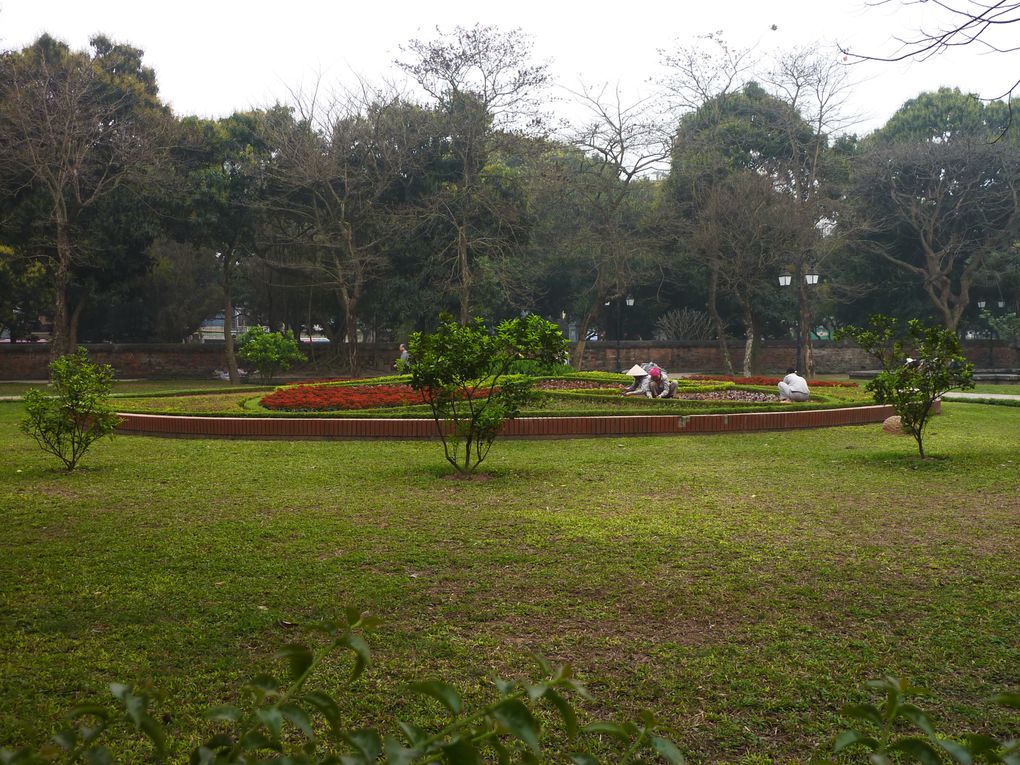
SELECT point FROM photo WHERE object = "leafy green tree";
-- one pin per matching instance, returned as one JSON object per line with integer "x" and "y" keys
{"x": 938, "y": 193}
{"x": 463, "y": 373}
{"x": 77, "y": 414}
{"x": 486, "y": 91}
{"x": 912, "y": 385}
{"x": 76, "y": 129}
{"x": 269, "y": 352}
{"x": 24, "y": 292}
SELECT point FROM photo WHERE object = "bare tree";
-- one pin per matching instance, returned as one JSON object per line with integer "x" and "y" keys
{"x": 335, "y": 192}
{"x": 705, "y": 70}
{"x": 619, "y": 145}
{"x": 76, "y": 127}
{"x": 486, "y": 87}
{"x": 987, "y": 24}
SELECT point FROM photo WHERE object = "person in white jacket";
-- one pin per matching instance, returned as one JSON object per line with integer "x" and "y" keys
{"x": 793, "y": 387}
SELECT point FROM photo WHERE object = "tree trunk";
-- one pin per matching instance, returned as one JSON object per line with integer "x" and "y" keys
{"x": 59, "y": 338}
{"x": 351, "y": 322}
{"x": 228, "y": 321}
{"x": 749, "y": 337}
{"x": 577, "y": 361}
{"x": 464, "y": 267}
{"x": 713, "y": 312}
{"x": 805, "y": 331}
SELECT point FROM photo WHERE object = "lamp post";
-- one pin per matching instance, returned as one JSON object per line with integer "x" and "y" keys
{"x": 629, "y": 300}
{"x": 810, "y": 278}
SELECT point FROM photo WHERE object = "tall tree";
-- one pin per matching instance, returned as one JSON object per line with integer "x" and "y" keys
{"x": 939, "y": 193}
{"x": 76, "y": 128}
{"x": 486, "y": 88}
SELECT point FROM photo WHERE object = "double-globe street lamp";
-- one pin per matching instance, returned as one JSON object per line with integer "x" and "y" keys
{"x": 991, "y": 330}
{"x": 629, "y": 300}
{"x": 810, "y": 278}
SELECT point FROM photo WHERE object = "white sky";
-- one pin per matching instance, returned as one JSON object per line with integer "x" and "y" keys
{"x": 217, "y": 56}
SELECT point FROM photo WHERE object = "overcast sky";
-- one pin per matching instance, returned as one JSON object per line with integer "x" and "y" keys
{"x": 217, "y": 56}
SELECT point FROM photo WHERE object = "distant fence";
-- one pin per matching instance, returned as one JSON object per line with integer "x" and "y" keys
{"x": 28, "y": 361}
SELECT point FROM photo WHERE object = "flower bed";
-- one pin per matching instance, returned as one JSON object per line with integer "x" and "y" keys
{"x": 763, "y": 380}
{"x": 321, "y": 398}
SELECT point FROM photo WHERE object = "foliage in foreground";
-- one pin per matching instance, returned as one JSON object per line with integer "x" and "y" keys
{"x": 290, "y": 724}
{"x": 269, "y": 352}
{"x": 77, "y": 414}
{"x": 913, "y": 385}
{"x": 462, "y": 373}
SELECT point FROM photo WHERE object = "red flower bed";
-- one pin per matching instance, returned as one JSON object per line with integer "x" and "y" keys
{"x": 762, "y": 380}
{"x": 319, "y": 398}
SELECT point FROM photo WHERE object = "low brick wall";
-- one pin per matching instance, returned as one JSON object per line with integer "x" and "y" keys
{"x": 524, "y": 427}
{"x": 28, "y": 361}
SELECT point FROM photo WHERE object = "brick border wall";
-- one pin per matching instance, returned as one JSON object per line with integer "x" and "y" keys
{"x": 525, "y": 427}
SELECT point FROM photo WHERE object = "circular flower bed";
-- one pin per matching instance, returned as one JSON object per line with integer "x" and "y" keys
{"x": 324, "y": 398}
{"x": 762, "y": 380}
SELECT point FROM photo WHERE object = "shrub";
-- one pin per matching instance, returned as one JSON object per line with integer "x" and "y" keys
{"x": 462, "y": 373}
{"x": 286, "y": 722}
{"x": 269, "y": 352}
{"x": 913, "y": 385}
{"x": 77, "y": 414}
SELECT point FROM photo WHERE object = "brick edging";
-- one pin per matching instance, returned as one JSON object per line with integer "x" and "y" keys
{"x": 524, "y": 427}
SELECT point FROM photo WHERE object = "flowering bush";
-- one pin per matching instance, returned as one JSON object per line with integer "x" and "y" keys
{"x": 763, "y": 380}
{"x": 322, "y": 398}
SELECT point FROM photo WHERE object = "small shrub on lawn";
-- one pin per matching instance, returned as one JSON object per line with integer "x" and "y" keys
{"x": 77, "y": 414}
{"x": 464, "y": 374}
{"x": 269, "y": 352}
{"x": 913, "y": 385}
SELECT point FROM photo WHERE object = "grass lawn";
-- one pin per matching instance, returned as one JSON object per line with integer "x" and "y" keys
{"x": 741, "y": 587}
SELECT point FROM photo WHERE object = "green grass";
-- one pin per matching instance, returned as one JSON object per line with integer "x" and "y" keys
{"x": 741, "y": 587}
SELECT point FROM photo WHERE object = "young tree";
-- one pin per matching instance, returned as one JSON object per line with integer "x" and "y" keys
{"x": 462, "y": 372}
{"x": 75, "y": 128}
{"x": 77, "y": 414}
{"x": 913, "y": 385}
{"x": 269, "y": 352}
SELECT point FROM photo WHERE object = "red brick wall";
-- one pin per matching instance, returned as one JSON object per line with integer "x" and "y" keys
{"x": 29, "y": 361}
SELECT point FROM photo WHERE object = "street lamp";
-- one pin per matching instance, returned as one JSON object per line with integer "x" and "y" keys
{"x": 810, "y": 276}
{"x": 629, "y": 300}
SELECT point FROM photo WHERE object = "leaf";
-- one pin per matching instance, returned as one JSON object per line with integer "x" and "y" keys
{"x": 566, "y": 712}
{"x": 155, "y": 733}
{"x": 367, "y": 742}
{"x": 978, "y": 743}
{"x": 516, "y": 718}
{"x": 580, "y": 758}
{"x": 668, "y": 750}
{"x": 272, "y": 719}
{"x": 918, "y": 717}
{"x": 441, "y": 692}
{"x": 414, "y": 734}
{"x": 327, "y": 707}
{"x": 461, "y": 752}
{"x": 362, "y": 653}
{"x": 225, "y": 713}
{"x": 1011, "y": 700}
{"x": 957, "y": 751}
{"x": 865, "y": 712}
{"x": 397, "y": 754}
{"x": 299, "y": 658}
{"x": 298, "y": 717}
{"x": 919, "y": 749}
{"x": 99, "y": 756}
{"x": 85, "y": 710}
{"x": 852, "y": 737}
